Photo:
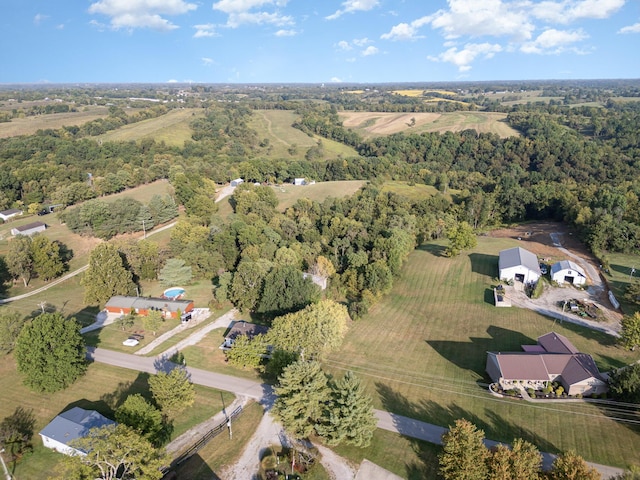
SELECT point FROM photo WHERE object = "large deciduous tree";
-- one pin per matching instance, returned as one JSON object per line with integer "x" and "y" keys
{"x": 571, "y": 466}
{"x": 47, "y": 258}
{"x": 142, "y": 417}
{"x": 313, "y": 332}
{"x": 50, "y": 352}
{"x": 624, "y": 383}
{"x": 173, "y": 391}
{"x": 114, "y": 452}
{"x": 11, "y": 324}
{"x": 106, "y": 276}
{"x": 20, "y": 258}
{"x": 464, "y": 456}
{"x": 286, "y": 290}
{"x": 520, "y": 462}
{"x": 302, "y": 394}
{"x": 630, "y": 331}
{"x": 461, "y": 237}
{"x": 348, "y": 416}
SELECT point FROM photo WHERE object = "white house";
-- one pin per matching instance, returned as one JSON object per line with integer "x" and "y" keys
{"x": 519, "y": 265}
{"x": 68, "y": 426}
{"x": 236, "y": 182}
{"x": 29, "y": 229}
{"x": 566, "y": 271}
{"x": 9, "y": 214}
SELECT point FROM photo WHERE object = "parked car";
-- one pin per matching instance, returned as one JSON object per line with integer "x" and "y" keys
{"x": 543, "y": 269}
{"x": 131, "y": 342}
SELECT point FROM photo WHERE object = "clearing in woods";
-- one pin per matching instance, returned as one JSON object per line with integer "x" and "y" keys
{"x": 370, "y": 124}
{"x": 173, "y": 128}
{"x": 30, "y": 125}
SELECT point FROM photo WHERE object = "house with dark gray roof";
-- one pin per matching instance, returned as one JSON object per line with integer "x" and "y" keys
{"x": 9, "y": 214}
{"x": 567, "y": 271}
{"x": 29, "y": 229}
{"x": 553, "y": 359}
{"x": 241, "y": 328}
{"x": 518, "y": 264}
{"x": 70, "y": 425}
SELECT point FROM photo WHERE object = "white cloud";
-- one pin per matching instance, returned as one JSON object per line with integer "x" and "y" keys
{"x": 344, "y": 45}
{"x": 205, "y": 30}
{"x": 240, "y": 12}
{"x": 173, "y": 80}
{"x": 132, "y": 14}
{"x": 286, "y": 33}
{"x": 370, "y": 50}
{"x": 206, "y": 61}
{"x": 361, "y": 42}
{"x": 463, "y": 58}
{"x": 406, "y": 31}
{"x": 635, "y": 28}
{"x": 335, "y": 80}
{"x": 351, "y": 6}
{"x": 60, "y": 26}
{"x": 553, "y": 41}
{"x": 39, "y": 18}
{"x": 567, "y": 11}
{"x": 486, "y": 18}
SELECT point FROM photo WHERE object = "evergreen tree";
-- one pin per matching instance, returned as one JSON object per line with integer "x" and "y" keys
{"x": 348, "y": 416}
{"x": 302, "y": 394}
{"x": 464, "y": 455}
{"x": 106, "y": 276}
{"x": 175, "y": 272}
{"x": 173, "y": 391}
{"x": 50, "y": 352}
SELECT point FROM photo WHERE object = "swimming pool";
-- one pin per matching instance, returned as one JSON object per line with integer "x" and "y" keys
{"x": 173, "y": 293}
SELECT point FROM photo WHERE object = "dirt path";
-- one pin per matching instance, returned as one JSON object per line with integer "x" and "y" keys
{"x": 271, "y": 131}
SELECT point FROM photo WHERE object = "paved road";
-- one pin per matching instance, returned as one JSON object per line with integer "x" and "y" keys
{"x": 264, "y": 394}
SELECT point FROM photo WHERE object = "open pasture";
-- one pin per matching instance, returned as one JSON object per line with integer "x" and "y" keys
{"x": 371, "y": 124}
{"x": 422, "y": 353}
{"x": 171, "y": 128}
{"x": 30, "y": 125}
{"x": 275, "y": 126}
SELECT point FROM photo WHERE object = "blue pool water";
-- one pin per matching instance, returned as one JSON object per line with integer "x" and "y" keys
{"x": 173, "y": 293}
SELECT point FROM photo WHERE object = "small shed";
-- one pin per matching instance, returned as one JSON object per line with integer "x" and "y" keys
{"x": 70, "y": 425}
{"x": 242, "y": 328}
{"x": 519, "y": 265}
{"x": 299, "y": 181}
{"x": 236, "y": 182}
{"x": 9, "y": 214}
{"x": 29, "y": 229}
{"x": 123, "y": 305}
{"x": 566, "y": 271}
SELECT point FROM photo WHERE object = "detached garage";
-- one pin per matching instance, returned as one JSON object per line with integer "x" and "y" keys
{"x": 568, "y": 272}
{"x": 519, "y": 265}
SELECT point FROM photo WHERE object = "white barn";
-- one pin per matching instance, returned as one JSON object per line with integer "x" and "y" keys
{"x": 518, "y": 264}
{"x": 29, "y": 229}
{"x": 68, "y": 426}
{"x": 236, "y": 182}
{"x": 566, "y": 271}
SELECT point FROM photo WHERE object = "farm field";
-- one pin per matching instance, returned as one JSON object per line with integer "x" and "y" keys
{"x": 30, "y": 125}
{"x": 172, "y": 128}
{"x": 275, "y": 125}
{"x": 289, "y": 194}
{"x": 370, "y": 124}
{"x": 422, "y": 353}
{"x": 620, "y": 276}
{"x": 103, "y": 388}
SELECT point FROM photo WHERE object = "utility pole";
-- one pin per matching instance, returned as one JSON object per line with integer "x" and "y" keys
{"x": 4, "y": 466}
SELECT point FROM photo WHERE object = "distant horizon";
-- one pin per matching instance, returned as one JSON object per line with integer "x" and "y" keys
{"x": 332, "y": 42}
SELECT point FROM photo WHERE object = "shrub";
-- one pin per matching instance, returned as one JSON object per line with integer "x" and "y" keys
{"x": 547, "y": 390}
{"x": 531, "y": 392}
{"x": 559, "y": 390}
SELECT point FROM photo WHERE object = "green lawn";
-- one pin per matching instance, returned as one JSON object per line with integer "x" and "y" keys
{"x": 422, "y": 353}
{"x": 620, "y": 276}
{"x": 103, "y": 388}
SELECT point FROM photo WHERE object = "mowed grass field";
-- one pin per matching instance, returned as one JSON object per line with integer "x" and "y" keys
{"x": 620, "y": 276}
{"x": 103, "y": 388}
{"x": 172, "y": 128}
{"x": 422, "y": 353}
{"x": 275, "y": 125}
{"x": 30, "y": 125}
{"x": 289, "y": 194}
{"x": 371, "y": 124}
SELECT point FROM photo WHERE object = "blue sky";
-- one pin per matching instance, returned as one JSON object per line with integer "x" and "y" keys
{"x": 324, "y": 41}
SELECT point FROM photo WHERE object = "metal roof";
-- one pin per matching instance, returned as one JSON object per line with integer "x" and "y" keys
{"x": 553, "y": 342}
{"x": 148, "y": 303}
{"x": 74, "y": 423}
{"x": 567, "y": 265}
{"x": 514, "y": 257}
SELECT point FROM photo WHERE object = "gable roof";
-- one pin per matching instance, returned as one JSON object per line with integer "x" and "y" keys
{"x": 567, "y": 265}
{"x": 553, "y": 342}
{"x": 29, "y": 226}
{"x": 10, "y": 212}
{"x": 147, "y": 303}
{"x": 514, "y": 257}
{"x": 74, "y": 423}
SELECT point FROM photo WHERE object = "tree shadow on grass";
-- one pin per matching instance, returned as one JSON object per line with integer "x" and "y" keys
{"x": 472, "y": 355}
{"x": 195, "y": 468}
{"x": 484, "y": 264}
{"x": 124, "y": 389}
{"x": 434, "y": 249}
